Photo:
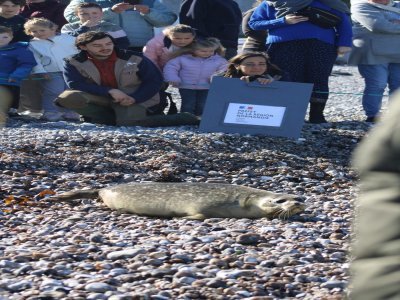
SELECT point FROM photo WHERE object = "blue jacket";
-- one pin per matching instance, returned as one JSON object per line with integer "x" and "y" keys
{"x": 16, "y": 62}
{"x": 264, "y": 18}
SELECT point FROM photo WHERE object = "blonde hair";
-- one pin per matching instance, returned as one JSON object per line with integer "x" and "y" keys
{"x": 210, "y": 42}
{"x": 42, "y": 22}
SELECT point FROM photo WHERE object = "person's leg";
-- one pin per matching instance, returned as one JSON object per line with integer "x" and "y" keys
{"x": 230, "y": 52}
{"x": 290, "y": 57}
{"x": 6, "y": 100}
{"x": 31, "y": 95}
{"x": 128, "y": 115}
{"x": 50, "y": 90}
{"x": 188, "y": 100}
{"x": 95, "y": 109}
{"x": 320, "y": 59}
{"x": 376, "y": 79}
{"x": 201, "y": 98}
{"x": 394, "y": 77}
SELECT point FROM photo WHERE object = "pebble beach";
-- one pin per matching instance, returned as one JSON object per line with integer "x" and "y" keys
{"x": 83, "y": 250}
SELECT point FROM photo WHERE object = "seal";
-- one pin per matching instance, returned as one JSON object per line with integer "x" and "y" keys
{"x": 194, "y": 200}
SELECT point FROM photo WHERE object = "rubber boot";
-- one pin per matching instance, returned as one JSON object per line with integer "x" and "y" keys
{"x": 316, "y": 115}
{"x": 6, "y": 100}
{"x": 168, "y": 120}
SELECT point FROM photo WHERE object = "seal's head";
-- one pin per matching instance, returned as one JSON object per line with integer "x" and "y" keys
{"x": 281, "y": 206}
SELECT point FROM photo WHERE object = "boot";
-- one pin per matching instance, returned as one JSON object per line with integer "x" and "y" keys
{"x": 316, "y": 115}
{"x": 6, "y": 100}
{"x": 168, "y": 120}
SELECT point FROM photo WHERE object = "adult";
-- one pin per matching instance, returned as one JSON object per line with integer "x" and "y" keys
{"x": 376, "y": 44}
{"x": 255, "y": 39}
{"x": 376, "y": 267}
{"x": 214, "y": 18}
{"x": 121, "y": 97}
{"x": 48, "y": 9}
{"x": 304, "y": 49}
{"x": 137, "y": 20}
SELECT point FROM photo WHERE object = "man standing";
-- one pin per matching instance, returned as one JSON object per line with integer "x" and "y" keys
{"x": 214, "y": 18}
{"x": 112, "y": 86}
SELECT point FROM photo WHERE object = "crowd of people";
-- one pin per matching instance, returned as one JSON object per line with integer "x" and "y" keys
{"x": 100, "y": 61}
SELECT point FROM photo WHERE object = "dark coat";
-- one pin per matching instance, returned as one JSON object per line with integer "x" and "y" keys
{"x": 16, "y": 23}
{"x": 50, "y": 9}
{"x": 213, "y": 18}
{"x": 255, "y": 39}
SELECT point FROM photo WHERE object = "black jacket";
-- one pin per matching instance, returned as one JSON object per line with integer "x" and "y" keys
{"x": 255, "y": 39}
{"x": 213, "y": 18}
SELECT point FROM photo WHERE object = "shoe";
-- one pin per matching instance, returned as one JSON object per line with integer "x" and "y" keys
{"x": 52, "y": 116}
{"x": 370, "y": 120}
{"x": 317, "y": 113}
{"x": 13, "y": 112}
{"x": 71, "y": 116}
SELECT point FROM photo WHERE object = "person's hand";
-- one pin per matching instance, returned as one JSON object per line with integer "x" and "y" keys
{"x": 174, "y": 83}
{"x": 143, "y": 9}
{"x": 395, "y": 21}
{"x": 121, "y": 98}
{"x": 264, "y": 80}
{"x": 12, "y": 80}
{"x": 342, "y": 50}
{"x": 294, "y": 19}
{"x": 121, "y": 7}
{"x": 91, "y": 23}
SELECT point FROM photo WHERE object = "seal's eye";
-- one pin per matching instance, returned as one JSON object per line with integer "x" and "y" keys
{"x": 280, "y": 201}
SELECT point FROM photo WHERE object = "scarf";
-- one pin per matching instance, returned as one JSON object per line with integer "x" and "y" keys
{"x": 285, "y": 7}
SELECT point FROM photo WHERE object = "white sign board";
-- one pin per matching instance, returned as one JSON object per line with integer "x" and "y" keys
{"x": 249, "y": 114}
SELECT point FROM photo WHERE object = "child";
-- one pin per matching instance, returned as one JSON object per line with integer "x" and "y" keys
{"x": 49, "y": 49}
{"x": 250, "y": 66}
{"x": 9, "y": 10}
{"x": 90, "y": 19}
{"x": 48, "y": 9}
{"x": 192, "y": 72}
{"x": 16, "y": 63}
{"x": 160, "y": 48}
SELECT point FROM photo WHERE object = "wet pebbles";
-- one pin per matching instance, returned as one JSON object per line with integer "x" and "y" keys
{"x": 82, "y": 250}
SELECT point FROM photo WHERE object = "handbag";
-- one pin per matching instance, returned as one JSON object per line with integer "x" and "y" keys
{"x": 320, "y": 17}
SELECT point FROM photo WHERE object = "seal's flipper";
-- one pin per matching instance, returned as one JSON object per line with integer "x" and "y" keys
{"x": 76, "y": 195}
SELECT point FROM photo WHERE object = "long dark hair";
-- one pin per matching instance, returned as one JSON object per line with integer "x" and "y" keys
{"x": 235, "y": 72}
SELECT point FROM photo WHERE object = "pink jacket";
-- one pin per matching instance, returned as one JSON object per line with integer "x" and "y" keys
{"x": 193, "y": 72}
{"x": 156, "y": 51}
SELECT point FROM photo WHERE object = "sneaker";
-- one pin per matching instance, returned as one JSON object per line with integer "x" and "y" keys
{"x": 71, "y": 116}
{"x": 52, "y": 116}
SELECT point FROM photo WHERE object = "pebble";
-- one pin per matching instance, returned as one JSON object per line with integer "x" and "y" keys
{"x": 82, "y": 250}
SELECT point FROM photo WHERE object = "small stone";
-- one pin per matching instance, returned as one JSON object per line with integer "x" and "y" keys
{"x": 99, "y": 287}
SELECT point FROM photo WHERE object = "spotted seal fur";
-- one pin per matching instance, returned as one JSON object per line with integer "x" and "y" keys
{"x": 194, "y": 200}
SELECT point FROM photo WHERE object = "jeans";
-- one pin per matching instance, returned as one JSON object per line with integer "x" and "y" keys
{"x": 51, "y": 89}
{"x": 376, "y": 78}
{"x": 193, "y": 101}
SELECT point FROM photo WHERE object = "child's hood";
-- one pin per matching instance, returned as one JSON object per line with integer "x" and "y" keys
{"x": 14, "y": 46}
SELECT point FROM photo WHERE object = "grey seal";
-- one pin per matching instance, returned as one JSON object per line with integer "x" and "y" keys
{"x": 194, "y": 200}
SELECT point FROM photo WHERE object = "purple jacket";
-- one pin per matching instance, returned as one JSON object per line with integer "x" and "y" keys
{"x": 193, "y": 73}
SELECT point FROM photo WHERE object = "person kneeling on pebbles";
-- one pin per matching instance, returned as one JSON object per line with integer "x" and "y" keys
{"x": 113, "y": 86}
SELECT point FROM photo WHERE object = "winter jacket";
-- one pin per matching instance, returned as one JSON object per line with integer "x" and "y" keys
{"x": 50, "y": 9}
{"x": 119, "y": 35}
{"x": 158, "y": 50}
{"x": 255, "y": 39}
{"x": 16, "y": 62}
{"x": 376, "y": 39}
{"x": 213, "y": 18}
{"x": 16, "y": 23}
{"x": 279, "y": 31}
{"x": 136, "y": 76}
{"x": 138, "y": 27}
{"x": 50, "y": 53}
{"x": 193, "y": 72}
